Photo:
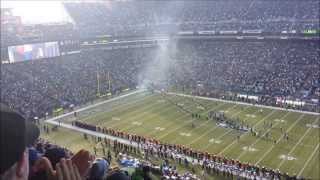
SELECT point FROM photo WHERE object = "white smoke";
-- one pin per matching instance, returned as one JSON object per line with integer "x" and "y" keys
{"x": 157, "y": 71}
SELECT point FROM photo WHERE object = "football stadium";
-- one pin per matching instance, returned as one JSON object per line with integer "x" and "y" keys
{"x": 117, "y": 90}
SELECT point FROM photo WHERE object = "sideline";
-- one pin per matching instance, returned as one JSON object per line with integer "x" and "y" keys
{"x": 125, "y": 141}
{"x": 102, "y": 135}
{"x": 243, "y": 103}
{"x": 94, "y": 105}
{"x": 93, "y": 133}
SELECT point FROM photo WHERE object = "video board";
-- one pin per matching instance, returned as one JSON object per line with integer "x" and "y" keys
{"x": 28, "y": 52}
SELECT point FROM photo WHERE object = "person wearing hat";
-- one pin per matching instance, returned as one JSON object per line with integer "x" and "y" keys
{"x": 16, "y": 135}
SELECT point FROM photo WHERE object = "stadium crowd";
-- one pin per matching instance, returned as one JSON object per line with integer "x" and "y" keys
{"x": 26, "y": 156}
{"x": 36, "y": 88}
{"x": 210, "y": 163}
{"x": 123, "y": 18}
{"x": 134, "y": 18}
{"x": 270, "y": 70}
{"x": 99, "y": 168}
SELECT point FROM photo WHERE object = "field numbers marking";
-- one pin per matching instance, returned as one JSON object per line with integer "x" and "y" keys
{"x": 251, "y": 115}
{"x": 215, "y": 141}
{"x": 187, "y": 122}
{"x": 287, "y": 157}
{"x": 137, "y": 123}
{"x": 200, "y": 107}
{"x": 185, "y": 134}
{"x": 309, "y": 159}
{"x": 296, "y": 145}
{"x": 250, "y": 149}
{"x": 159, "y": 128}
{"x": 115, "y": 119}
{"x": 280, "y": 120}
{"x": 271, "y": 148}
{"x": 255, "y": 125}
{"x": 207, "y": 132}
{"x": 316, "y": 126}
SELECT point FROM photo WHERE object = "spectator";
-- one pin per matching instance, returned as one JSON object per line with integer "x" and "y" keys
{"x": 16, "y": 135}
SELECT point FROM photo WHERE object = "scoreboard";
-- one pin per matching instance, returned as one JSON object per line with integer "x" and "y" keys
{"x": 28, "y": 52}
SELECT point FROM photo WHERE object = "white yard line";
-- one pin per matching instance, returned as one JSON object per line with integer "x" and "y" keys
{"x": 181, "y": 117}
{"x": 68, "y": 126}
{"x": 309, "y": 159}
{"x": 258, "y": 139}
{"x": 173, "y": 130}
{"x": 113, "y": 108}
{"x": 93, "y": 133}
{"x": 224, "y": 134}
{"x": 99, "y": 134}
{"x": 243, "y": 103}
{"x": 255, "y": 125}
{"x": 95, "y": 105}
{"x": 207, "y": 121}
{"x": 296, "y": 145}
{"x": 136, "y": 115}
{"x": 271, "y": 148}
{"x": 178, "y": 118}
{"x": 210, "y": 130}
{"x": 161, "y": 111}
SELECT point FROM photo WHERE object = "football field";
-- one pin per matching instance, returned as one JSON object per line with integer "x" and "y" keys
{"x": 168, "y": 118}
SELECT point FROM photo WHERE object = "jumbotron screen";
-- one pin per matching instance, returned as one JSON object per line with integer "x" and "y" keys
{"x": 33, "y": 51}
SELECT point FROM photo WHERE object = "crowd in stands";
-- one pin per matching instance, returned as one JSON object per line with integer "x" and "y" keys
{"x": 36, "y": 88}
{"x": 134, "y": 18}
{"x": 100, "y": 167}
{"x": 43, "y": 153}
{"x": 24, "y": 155}
{"x": 268, "y": 69}
{"x": 287, "y": 69}
{"x": 210, "y": 163}
{"x": 125, "y": 18}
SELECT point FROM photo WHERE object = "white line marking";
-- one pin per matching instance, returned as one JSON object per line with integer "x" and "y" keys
{"x": 187, "y": 122}
{"x": 113, "y": 109}
{"x": 207, "y": 121}
{"x": 135, "y": 115}
{"x": 162, "y": 110}
{"x": 270, "y": 149}
{"x": 95, "y": 105}
{"x": 255, "y": 125}
{"x": 258, "y": 139}
{"x": 94, "y": 133}
{"x": 294, "y": 147}
{"x": 210, "y": 130}
{"x": 224, "y": 134}
{"x": 243, "y": 103}
{"x": 309, "y": 159}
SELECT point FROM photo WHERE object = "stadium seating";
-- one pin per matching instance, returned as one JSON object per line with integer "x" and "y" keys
{"x": 145, "y": 18}
{"x": 269, "y": 69}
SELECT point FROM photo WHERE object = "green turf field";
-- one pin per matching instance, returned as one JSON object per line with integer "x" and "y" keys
{"x": 155, "y": 116}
